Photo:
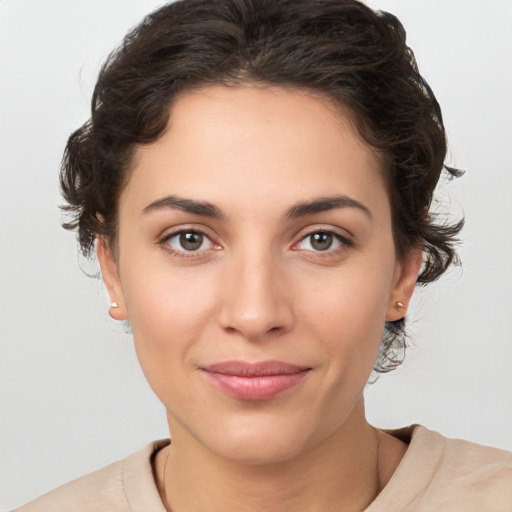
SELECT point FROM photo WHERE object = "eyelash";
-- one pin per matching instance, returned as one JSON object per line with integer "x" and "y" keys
{"x": 165, "y": 242}
{"x": 345, "y": 243}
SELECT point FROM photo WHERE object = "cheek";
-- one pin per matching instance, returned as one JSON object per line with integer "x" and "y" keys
{"x": 169, "y": 310}
{"x": 346, "y": 302}
{"x": 345, "y": 312}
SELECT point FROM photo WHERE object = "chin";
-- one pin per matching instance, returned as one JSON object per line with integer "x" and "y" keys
{"x": 260, "y": 439}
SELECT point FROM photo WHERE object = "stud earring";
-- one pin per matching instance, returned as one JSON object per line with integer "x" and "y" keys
{"x": 114, "y": 305}
{"x": 399, "y": 305}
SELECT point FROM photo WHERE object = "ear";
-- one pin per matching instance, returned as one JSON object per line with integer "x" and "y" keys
{"x": 405, "y": 282}
{"x": 110, "y": 274}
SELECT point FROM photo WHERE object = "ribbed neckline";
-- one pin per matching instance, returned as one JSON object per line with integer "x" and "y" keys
{"x": 421, "y": 459}
{"x": 138, "y": 481}
{"x": 142, "y": 494}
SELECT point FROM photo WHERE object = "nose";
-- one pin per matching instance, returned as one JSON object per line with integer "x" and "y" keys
{"x": 256, "y": 301}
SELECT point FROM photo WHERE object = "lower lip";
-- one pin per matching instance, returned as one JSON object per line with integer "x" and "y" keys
{"x": 262, "y": 387}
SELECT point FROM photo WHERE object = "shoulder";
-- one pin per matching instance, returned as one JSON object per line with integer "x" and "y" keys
{"x": 449, "y": 475}
{"x": 456, "y": 457}
{"x": 480, "y": 474}
{"x": 103, "y": 487}
{"x": 118, "y": 487}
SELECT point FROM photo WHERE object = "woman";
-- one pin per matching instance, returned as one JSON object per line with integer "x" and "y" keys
{"x": 256, "y": 177}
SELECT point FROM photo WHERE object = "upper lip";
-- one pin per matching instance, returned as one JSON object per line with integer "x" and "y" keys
{"x": 259, "y": 369}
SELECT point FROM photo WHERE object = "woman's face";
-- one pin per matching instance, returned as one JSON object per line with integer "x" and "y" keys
{"x": 257, "y": 268}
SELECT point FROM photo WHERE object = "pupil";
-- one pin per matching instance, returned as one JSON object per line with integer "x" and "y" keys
{"x": 321, "y": 241}
{"x": 191, "y": 241}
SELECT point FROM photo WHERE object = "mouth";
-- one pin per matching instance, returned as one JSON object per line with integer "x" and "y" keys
{"x": 255, "y": 381}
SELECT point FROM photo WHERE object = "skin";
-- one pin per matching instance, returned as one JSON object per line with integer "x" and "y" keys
{"x": 257, "y": 290}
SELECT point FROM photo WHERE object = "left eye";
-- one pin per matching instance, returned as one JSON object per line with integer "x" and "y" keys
{"x": 189, "y": 241}
{"x": 320, "y": 241}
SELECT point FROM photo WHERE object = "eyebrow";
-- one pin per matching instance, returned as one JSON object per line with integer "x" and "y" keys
{"x": 323, "y": 204}
{"x": 302, "y": 209}
{"x": 203, "y": 208}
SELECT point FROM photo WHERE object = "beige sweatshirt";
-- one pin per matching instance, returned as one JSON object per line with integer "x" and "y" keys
{"x": 436, "y": 475}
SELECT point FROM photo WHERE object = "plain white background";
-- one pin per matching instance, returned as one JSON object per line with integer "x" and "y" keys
{"x": 72, "y": 395}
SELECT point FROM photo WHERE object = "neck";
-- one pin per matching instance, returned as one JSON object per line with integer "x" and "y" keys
{"x": 343, "y": 473}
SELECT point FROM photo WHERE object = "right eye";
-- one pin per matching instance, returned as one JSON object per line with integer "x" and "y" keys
{"x": 188, "y": 241}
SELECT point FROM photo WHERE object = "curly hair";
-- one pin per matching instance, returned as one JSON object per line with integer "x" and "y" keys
{"x": 341, "y": 49}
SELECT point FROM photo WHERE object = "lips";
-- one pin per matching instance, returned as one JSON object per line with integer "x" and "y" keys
{"x": 254, "y": 381}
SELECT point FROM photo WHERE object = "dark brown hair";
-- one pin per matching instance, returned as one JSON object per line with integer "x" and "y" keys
{"x": 339, "y": 48}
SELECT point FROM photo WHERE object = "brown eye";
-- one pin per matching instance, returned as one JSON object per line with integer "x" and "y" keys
{"x": 191, "y": 241}
{"x": 188, "y": 242}
{"x": 321, "y": 241}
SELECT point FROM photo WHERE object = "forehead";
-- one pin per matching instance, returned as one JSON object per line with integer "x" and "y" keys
{"x": 260, "y": 142}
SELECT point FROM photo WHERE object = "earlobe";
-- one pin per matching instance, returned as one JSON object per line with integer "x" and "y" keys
{"x": 404, "y": 286}
{"x": 110, "y": 274}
